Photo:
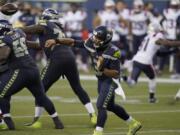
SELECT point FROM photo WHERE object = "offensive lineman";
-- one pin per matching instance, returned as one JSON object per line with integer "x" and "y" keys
{"x": 49, "y": 28}
{"x": 19, "y": 72}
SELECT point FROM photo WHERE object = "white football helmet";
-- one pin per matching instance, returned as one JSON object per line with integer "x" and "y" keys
{"x": 174, "y": 2}
{"x": 109, "y": 3}
{"x": 138, "y": 5}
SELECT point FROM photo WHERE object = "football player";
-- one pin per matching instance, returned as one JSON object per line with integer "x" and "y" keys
{"x": 106, "y": 63}
{"x": 171, "y": 22}
{"x": 49, "y": 27}
{"x": 138, "y": 23}
{"x": 19, "y": 72}
{"x": 108, "y": 17}
{"x": 143, "y": 60}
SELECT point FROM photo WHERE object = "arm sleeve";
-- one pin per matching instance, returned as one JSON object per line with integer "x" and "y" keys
{"x": 79, "y": 43}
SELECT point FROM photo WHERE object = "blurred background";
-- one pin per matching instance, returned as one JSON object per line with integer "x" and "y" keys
{"x": 79, "y": 17}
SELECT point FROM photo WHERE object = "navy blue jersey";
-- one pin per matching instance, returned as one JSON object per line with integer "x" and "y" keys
{"x": 52, "y": 31}
{"x": 19, "y": 56}
{"x": 111, "y": 55}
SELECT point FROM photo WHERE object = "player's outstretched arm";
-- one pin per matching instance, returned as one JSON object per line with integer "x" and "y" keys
{"x": 168, "y": 43}
{"x": 62, "y": 41}
{"x": 34, "y": 45}
{"x": 34, "y": 29}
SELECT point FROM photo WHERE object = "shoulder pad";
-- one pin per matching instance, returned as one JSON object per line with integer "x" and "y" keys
{"x": 42, "y": 22}
{"x": 112, "y": 53}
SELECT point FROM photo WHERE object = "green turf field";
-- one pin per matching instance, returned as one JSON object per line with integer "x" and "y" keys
{"x": 162, "y": 118}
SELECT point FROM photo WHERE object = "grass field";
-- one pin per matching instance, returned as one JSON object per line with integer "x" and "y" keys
{"x": 162, "y": 118}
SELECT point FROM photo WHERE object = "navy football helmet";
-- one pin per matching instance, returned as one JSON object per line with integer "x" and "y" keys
{"x": 51, "y": 14}
{"x": 102, "y": 36}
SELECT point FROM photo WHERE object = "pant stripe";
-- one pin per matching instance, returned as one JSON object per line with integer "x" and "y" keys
{"x": 43, "y": 73}
{"x": 10, "y": 83}
{"x": 109, "y": 95}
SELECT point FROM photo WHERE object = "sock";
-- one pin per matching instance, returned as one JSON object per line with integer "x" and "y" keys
{"x": 89, "y": 107}
{"x": 54, "y": 115}
{"x": 38, "y": 111}
{"x": 178, "y": 93}
{"x": 99, "y": 129}
{"x": 151, "y": 95}
{"x": 152, "y": 86}
{"x": 128, "y": 121}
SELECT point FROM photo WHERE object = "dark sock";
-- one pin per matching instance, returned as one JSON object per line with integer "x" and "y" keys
{"x": 9, "y": 122}
{"x": 151, "y": 95}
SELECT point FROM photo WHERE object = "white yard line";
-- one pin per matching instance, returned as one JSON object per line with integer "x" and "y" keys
{"x": 85, "y": 114}
{"x": 142, "y": 132}
{"x": 141, "y": 79}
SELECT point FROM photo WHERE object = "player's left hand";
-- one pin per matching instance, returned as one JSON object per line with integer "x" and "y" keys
{"x": 49, "y": 43}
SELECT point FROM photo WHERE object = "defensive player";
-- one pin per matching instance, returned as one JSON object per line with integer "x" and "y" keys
{"x": 49, "y": 28}
{"x": 19, "y": 72}
{"x": 105, "y": 59}
{"x": 138, "y": 23}
{"x": 143, "y": 60}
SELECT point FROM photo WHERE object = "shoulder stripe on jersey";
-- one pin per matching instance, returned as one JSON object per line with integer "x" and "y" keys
{"x": 109, "y": 57}
{"x": 89, "y": 49}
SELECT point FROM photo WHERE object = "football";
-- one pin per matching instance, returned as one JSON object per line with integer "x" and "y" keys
{"x": 9, "y": 9}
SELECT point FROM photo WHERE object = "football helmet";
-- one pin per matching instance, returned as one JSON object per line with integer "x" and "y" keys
{"x": 102, "y": 36}
{"x": 5, "y": 27}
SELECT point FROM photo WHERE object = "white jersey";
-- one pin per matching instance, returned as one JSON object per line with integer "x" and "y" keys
{"x": 148, "y": 49}
{"x": 139, "y": 22}
{"x": 15, "y": 17}
{"x": 125, "y": 15}
{"x": 170, "y": 23}
{"x": 74, "y": 21}
{"x": 4, "y": 17}
{"x": 111, "y": 20}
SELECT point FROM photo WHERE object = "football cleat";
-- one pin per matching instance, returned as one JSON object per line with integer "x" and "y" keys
{"x": 134, "y": 126}
{"x": 58, "y": 123}
{"x": 153, "y": 100}
{"x": 3, "y": 126}
{"x": 34, "y": 120}
{"x": 35, "y": 125}
{"x": 97, "y": 132}
{"x": 93, "y": 118}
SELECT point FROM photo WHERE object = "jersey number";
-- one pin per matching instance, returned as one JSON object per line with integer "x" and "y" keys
{"x": 19, "y": 47}
{"x": 144, "y": 44}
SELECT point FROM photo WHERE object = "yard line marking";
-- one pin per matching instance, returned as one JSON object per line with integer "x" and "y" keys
{"x": 130, "y": 100}
{"x": 141, "y": 79}
{"x": 85, "y": 114}
{"x": 141, "y": 132}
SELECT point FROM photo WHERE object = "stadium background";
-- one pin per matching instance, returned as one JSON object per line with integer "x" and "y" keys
{"x": 90, "y": 5}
